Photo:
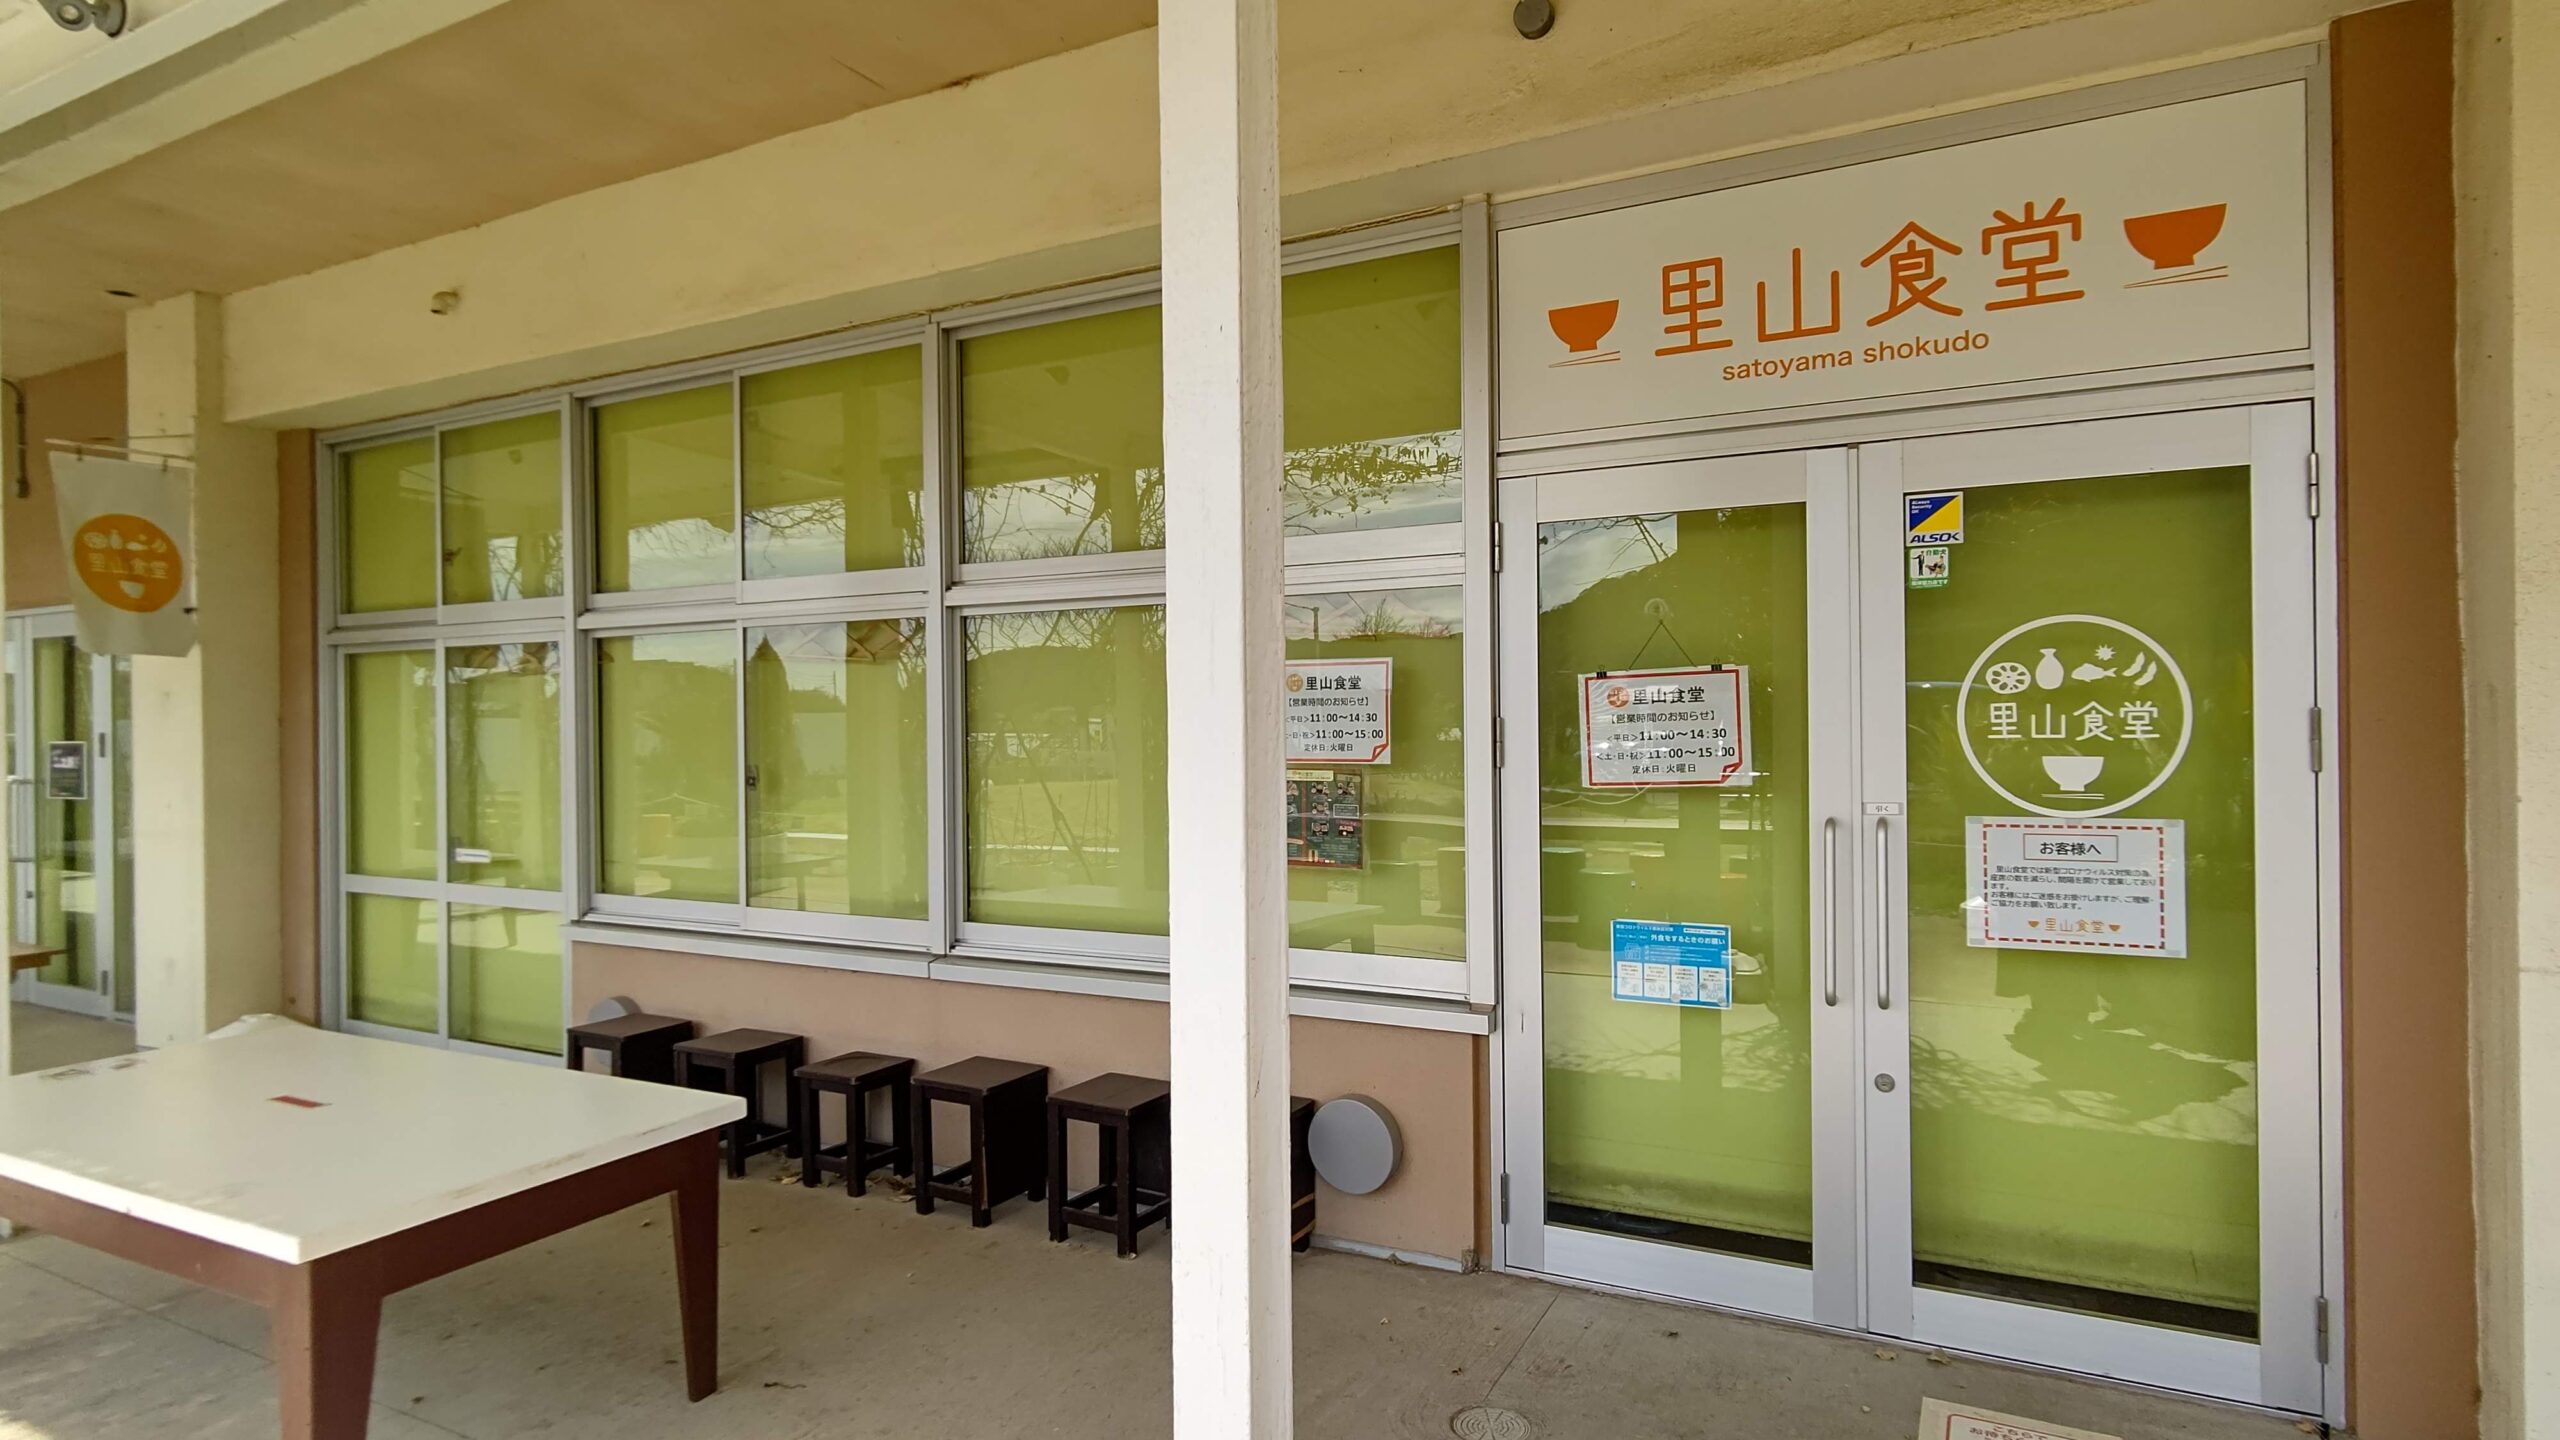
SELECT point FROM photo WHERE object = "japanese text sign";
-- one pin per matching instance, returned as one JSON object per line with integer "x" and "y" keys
{"x": 2157, "y": 237}
{"x": 1336, "y": 712}
{"x": 1643, "y": 728}
{"x": 1660, "y": 962}
{"x": 125, "y": 542}
{"x": 2110, "y": 887}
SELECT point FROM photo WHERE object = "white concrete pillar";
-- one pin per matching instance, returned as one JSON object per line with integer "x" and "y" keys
{"x": 206, "y": 726}
{"x": 2507, "y": 208}
{"x": 9, "y": 474}
{"x": 1217, "y": 85}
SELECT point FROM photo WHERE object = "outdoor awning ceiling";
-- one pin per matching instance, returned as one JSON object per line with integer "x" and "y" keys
{"x": 528, "y": 102}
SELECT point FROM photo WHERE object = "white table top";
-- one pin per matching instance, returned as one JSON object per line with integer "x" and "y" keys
{"x": 194, "y": 1137}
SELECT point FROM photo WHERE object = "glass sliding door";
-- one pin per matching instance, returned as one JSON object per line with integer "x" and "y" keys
{"x": 71, "y": 853}
{"x": 1680, "y": 893}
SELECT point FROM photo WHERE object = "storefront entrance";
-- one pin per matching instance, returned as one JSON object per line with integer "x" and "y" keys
{"x": 71, "y": 839}
{"x": 1911, "y": 891}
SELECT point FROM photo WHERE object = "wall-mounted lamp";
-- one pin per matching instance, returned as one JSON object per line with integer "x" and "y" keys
{"x": 104, "y": 16}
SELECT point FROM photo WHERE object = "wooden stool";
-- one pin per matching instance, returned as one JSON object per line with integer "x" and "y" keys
{"x": 1302, "y": 1175}
{"x": 1128, "y": 1112}
{"x": 856, "y": 1077}
{"x": 738, "y": 1058}
{"x": 1003, "y": 1098}
{"x": 636, "y": 1047}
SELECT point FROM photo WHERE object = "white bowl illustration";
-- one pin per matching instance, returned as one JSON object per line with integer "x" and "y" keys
{"x": 2074, "y": 772}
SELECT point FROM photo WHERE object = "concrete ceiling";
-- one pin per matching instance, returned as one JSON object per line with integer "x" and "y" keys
{"x": 524, "y": 103}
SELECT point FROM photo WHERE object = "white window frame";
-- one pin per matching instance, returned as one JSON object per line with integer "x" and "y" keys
{"x": 944, "y": 592}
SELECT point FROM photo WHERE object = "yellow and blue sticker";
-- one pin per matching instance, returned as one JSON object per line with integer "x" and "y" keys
{"x": 1933, "y": 519}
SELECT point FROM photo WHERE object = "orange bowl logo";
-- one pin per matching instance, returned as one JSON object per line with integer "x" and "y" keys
{"x": 1297, "y": 682}
{"x": 128, "y": 562}
{"x": 1616, "y": 697}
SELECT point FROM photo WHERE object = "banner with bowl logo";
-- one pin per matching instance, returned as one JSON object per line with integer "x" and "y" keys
{"x": 2160, "y": 237}
{"x": 125, "y": 541}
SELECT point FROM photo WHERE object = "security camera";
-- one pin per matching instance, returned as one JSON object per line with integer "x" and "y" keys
{"x": 104, "y": 16}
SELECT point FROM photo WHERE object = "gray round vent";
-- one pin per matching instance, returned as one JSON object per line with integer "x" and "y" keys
{"x": 1355, "y": 1144}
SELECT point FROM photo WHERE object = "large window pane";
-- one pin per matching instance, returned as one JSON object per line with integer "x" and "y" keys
{"x": 506, "y": 977}
{"x": 391, "y": 764}
{"x": 502, "y": 510}
{"x": 1382, "y": 869}
{"x": 391, "y": 961}
{"x": 666, "y": 497}
{"x": 387, "y": 527}
{"x": 1062, "y": 438}
{"x": 502, "y": 763}
{"x": 667, "y": 762}
{"x": 1066, "y": 737}
{"x": 836, "y": 780}
{"x": 1369, "y": 394}
{"x": 834, "y": 465}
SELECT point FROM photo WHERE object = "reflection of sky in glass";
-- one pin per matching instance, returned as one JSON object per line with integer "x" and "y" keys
{"x": 1574, "y": 555}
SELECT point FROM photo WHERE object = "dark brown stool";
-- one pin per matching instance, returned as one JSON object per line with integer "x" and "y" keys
{"x": 1302, "y": 1175}
{"x": 738, "y": 1058}
{"x": 856, "y": 1077}
{"x": 1128, "y": 1113}
{"x": 1003, "y": 1099}
{"x": 636, "y": 1047}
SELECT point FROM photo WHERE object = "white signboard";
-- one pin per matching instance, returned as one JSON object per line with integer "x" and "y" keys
{"x": 2153, "y": 238}
{"x": 1338, "y": 711}
{"x": 1643, "y": 728}
{"x": 124, "y": 538}
{"x": 1940, "y": 1420}
{"x": 2112, "y": 887}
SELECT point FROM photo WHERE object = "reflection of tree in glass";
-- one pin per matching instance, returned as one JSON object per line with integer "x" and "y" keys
{"x": 1321, "y": 483}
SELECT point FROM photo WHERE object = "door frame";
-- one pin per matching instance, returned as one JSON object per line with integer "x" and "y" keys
{"x": 25, "y": 628}
{"x": 2291, "y": 1367}
{"x": 1820, "y": 481}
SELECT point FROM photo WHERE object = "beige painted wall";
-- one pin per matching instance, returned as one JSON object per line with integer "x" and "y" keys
{"x": 2507, "y": 206}
{"x": 953, "y": 196}
{"x": 1426, "y": 1078}
{"x": 84, "y": 402}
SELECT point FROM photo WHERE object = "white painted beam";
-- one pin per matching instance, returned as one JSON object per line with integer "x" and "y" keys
{"x": 1217, "y": 83}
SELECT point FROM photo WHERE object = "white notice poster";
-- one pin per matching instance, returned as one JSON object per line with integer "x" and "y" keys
{"x": 1667, "y": 727}
{"x": 2114, "y": 887}
{"x": 125, "y": 536}
{"x": 1337, "y": 712}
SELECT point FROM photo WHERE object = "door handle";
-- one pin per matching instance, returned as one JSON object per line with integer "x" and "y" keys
{"x": 1831, "y": 911}
{"x": 1884, "y": 915}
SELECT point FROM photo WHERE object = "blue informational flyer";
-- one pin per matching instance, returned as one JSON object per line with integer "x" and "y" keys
{"x": 1666, "y": 962}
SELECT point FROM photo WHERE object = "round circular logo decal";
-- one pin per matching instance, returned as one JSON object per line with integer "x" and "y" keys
{"x": 2074, "y": 715}
{"x": 128, "y": 562}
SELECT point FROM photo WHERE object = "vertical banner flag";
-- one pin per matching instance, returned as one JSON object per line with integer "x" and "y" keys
{"x": 125, "y": 538}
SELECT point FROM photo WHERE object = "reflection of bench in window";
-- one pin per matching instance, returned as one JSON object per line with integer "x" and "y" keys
{"x": 33, "y": 957}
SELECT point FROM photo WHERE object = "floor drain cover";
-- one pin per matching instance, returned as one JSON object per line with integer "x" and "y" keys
{"x": 1486, "y": 1423}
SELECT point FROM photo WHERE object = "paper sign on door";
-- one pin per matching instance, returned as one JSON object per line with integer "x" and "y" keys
{"x": 1642, "y": 728}
{"x": 1664, "y": 962}
{"x": 2113, "y": 887}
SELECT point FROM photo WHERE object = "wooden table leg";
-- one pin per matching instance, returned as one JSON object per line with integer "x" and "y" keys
{"x": 325, "y": 1321}
{"x": 697, "y": 1202}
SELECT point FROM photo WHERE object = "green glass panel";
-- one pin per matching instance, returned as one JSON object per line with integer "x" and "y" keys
{"x": 834, "y": 465}
{"x": 2084, "y": 1125}
{"x": 391, "y": 763}
{"x": 506, "y": 977}
{"x": 502, "y": 763}
{"x": 1066, "y": 768}
{"x": 836, "y": 780}
{"x": 1396, "y": 883}
{"x": 387, "y": 526}
{"x": 667, "y": 763}
{"x": 1678, "y": 1123}
{"x": 66, "y": 868}
{"x": 666, "y": 491}
{"x": 502, "y": 510}
{"x": 1062, "y": 438}
{"x": 391, "y": 961}
{"x": 1369, "y": 394}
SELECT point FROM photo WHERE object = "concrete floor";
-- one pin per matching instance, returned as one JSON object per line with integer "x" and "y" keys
{"x": 855, "y": 1318}
{"x": 42, "y": 1038}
